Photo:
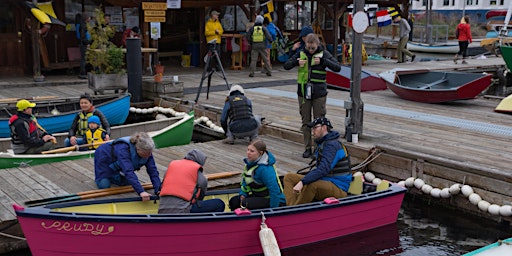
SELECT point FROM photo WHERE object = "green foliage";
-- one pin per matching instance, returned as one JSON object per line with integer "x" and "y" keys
{"x": 102, "y": 54}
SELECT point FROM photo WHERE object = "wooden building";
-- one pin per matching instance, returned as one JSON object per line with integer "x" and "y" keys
{"x": 182, "y": 30}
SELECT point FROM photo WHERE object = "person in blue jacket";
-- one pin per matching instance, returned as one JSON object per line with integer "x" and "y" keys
{"x": 332, "y": 173}
{"x": 260, "y": 186}
{"x": 300, "y": 42}
{"x": 116, "y": 162}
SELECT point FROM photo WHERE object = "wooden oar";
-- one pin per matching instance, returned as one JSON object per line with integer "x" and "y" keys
{"x": 36, "y": 98}
{"x": 111, "y": 191}
{"x": 71, "y": 148}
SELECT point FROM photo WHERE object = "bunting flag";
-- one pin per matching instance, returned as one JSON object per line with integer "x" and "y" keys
{"x": 393, "y": 12}
{"x": 383, "y": 18}
{"x": 268, "y": 9}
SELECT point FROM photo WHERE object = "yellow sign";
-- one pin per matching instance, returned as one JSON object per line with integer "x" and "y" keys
{"x": 154, "y": 19}
{"x": 154, "y": 6}
{"x": 154, "y": 13}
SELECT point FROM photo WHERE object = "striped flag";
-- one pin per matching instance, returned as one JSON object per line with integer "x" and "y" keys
{"x": 393, "y": 12}
{"x": 383, "y": 18}
{"x": 268, "y": 9}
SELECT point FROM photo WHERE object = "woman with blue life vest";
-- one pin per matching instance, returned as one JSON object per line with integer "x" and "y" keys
{"x": 260, "y": 186}
{"x": 313, "y": 61}
{"x": 95, "y": 134}
{"x": 184, "y": 186}
{"x": 79, "y": 126}
{"x": 116, "y": 162}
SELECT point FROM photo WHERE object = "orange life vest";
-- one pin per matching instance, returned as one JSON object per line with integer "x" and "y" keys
{"x": 180, "y": 180}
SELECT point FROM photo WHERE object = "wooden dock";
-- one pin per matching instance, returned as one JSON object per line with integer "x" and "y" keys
{"x": 460, "y": 142}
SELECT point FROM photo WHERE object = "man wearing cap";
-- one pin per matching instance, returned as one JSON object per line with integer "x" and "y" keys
{"x": 27, "y": 137}
{"x": 237, "y": 119}
{"x": 213, "y": 30}
{"x": 331, "y": 174}
{"x": 258, "y": 36}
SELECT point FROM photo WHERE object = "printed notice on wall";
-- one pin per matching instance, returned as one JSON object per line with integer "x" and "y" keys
{"x": 174, "y": 4}
{"x": 155, "y": 30}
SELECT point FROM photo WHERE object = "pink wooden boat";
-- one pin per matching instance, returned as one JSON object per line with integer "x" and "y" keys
{"x": 369, "y": 81}
{"x": 436, "y": 86}
{"x": 131, "y": 227}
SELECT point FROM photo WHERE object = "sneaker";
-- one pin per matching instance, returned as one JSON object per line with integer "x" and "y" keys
{"x": 251, "y": 75}
{"x": 229, "y": 140}
{"x": 413, "y": 57}
{"x": 307, "y": 153}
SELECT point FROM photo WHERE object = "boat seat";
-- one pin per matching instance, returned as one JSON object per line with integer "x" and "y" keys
{"x": 356, "y": 186}
{"x": 429, "y": 85}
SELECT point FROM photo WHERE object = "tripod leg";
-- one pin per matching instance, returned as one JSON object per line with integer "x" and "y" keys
{"x": 219, "y": 64}
{"x": 206, "y": 73}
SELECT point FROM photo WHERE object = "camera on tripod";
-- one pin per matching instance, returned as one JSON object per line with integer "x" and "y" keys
{"x": 211, "y": 44}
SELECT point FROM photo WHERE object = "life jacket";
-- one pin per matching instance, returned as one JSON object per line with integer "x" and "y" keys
{"x": 341, "y": 167}
{"x": 251, "y": 187}
{"x": 137, "y": 161}
{"x": 180, "y": 180}
{"x": 258, "y": 35}
{"x": 94, "y": 137}
{"x": 30, "y": 126}
{"x": 83, "y": 125}
{"x": 239, "y": 107}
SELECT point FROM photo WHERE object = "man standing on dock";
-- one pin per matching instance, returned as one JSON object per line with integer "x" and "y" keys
{"x": 405, "y": 29}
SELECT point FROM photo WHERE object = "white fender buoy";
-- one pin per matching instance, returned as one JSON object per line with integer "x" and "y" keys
{"x": 418, "y": 183}
{"x": 144, "y": 111}
{"x": 357, "y": 174}
{"x": 205, "y": 119}
{"x": 160, "y": 117}
{"x": 475, "y": 198}
{"x": 369, "y": 176}
{"x": 150, "y": 110}
{"x": 426, "y": 189}
{"x": 435, "y": 192}
{"x": 376, "y": 181}
{"x": 445, "y": 193}
{"x": 506, "y": 210}
{"x": 209, "y": 123}
{"x": 466, "y": 190}
{"x": 160, "y": 109}
{"x": 455, "y": 189}
{"x": 483, "y": 205}
{"x": 138, "y": 111}
{"x": 268, "y": 239}
{"x": 409, "y": 182}
{"x": 401, "y": 183}
{"x": 132, "y": 109}
{"x": 494, "y": 209}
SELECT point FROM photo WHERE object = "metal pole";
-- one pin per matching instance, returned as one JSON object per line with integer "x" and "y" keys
{"x": 134, "y": 68}
{"x": 355, "y": 106}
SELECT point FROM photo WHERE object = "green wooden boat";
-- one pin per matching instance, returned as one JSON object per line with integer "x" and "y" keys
{"x": 166, "y": 132}
{"x": 506, "y": 54}
{"x": 502, "y": 247}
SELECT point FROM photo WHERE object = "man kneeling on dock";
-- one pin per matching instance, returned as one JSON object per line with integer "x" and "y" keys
{"x": 331, "y": 176}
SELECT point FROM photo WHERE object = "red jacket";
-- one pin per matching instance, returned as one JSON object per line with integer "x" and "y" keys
{"x": 464, "y": 32}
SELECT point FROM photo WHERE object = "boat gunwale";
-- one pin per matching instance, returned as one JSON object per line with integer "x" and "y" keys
{"x": 45, "y": 212}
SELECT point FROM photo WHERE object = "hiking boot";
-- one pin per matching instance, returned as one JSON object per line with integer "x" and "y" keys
{"x": 229, "y": 141}
{"x": 251, "y": 75}
{"x": 307, "y": 153}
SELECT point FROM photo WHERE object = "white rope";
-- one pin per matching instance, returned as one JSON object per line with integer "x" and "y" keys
{"x": 12, "y": 236}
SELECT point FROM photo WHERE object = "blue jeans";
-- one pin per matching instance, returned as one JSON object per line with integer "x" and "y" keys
{"x": 210, "y": 205}
{"x": 107, "y": 182}
{"x": 79, "y": 141}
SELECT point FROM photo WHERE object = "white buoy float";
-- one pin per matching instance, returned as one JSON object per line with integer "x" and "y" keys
{"x": 483, "y": 205}
{"x": 435, "y": 192}
{"x": 369, "y": 176}
{"x": 426, "y": 189}
{"x": 474, "y": 198}
{"x": 445, "y": 193}
{"x": 466, "y": 190}
{"x": 494, "y": 209}
{"x": 506, "y": 210}
{"x": 455, "y": 189}
{"x": 418, "y": 183}
{"x": 409, "y": 182}
{"x": 268, "y": 239}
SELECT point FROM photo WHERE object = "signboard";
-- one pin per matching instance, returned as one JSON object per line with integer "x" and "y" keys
{"x": 154, "y": 19}
{"x": 154, "y": 13}
{"x": 154, "y": 6}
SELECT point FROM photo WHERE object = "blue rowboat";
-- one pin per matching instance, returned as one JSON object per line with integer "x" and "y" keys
{"x": 56, "y": 115}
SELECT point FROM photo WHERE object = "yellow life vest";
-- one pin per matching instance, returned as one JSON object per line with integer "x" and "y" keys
{"x": 94, "y": 137}
{"x": 83, "y": 125}
{"x": 257, "y": 34}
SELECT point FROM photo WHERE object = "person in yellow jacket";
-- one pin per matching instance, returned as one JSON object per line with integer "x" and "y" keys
{"x": 95, "y": 134}
{"x": 213, "y": 30}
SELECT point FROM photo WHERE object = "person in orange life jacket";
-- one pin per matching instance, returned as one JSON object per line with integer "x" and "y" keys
{"x": 237, "y": 119}
{"x": 27, "y": 137}
{"x": 116, "y": 162}
{"x": 130, "y": 33}
{"x": 76, "y": 135}
{"x": 257, "y": 36}
{"x": 260, "y": 186}
{"x": 464, "y": 39}
{"x": 300, "y": 44}
{"x": 184, "y": 186}
{"x": 313, "y": 61}
{"x": 95, "y": 134}
{"x": 331, "y": 175}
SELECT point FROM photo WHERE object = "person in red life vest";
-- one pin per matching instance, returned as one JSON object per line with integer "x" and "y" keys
{"x": 184, "y": 187}
{"x": 260, "y": 186}
{"x": 27, "y": 137}
{"x": 95, "y": 134}
{"x": 130, "y": 33}
{"x": 79, "y": 126}
{"x": 116, "y": 162}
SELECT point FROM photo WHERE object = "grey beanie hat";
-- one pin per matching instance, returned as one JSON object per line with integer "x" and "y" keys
{"x": 197, "y": 156}
{"x": 236, "y": 87}
{"x": 259, "y": 19}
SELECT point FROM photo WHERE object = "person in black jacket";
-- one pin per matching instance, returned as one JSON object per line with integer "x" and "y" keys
{"x": 84, "y": 39}
{"x": 313, "y": 61}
